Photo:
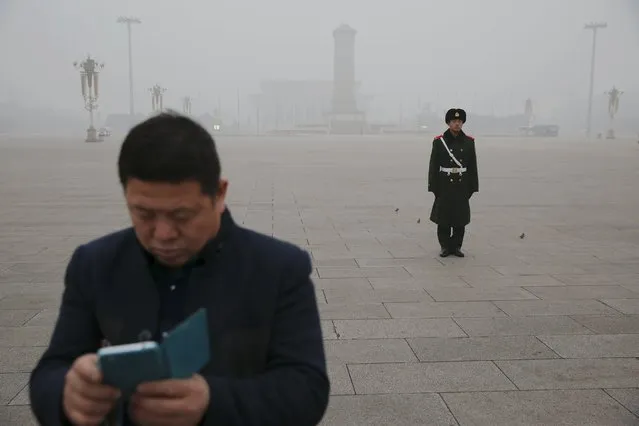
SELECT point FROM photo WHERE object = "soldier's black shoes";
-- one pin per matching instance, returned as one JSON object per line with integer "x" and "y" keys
{"x": 458, "y": 253}
{"x": 444, "y": 253}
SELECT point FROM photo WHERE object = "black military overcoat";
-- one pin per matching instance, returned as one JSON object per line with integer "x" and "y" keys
{"x": 452, "y": 190}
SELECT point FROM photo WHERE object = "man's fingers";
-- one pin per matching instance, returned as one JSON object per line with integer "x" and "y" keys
{"x": 83, "y": 411}
{"x": 165, "y": 389}
{"x": 88, "y": 406}
{"x": 87, "y": 368}
{"x": 159, "y": 411}
{"x": 90, "y": 390}
{"x": 159, "y": 406}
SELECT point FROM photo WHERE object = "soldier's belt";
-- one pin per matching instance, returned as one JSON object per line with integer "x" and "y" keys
{"x": 453, "y": 169}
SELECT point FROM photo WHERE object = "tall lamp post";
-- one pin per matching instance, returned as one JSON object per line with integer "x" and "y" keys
{"x": 594, "y": 26}
{"x": 89, "y": 72}
{"x": 128, "y": 21}
{"x": 157, "y": 98}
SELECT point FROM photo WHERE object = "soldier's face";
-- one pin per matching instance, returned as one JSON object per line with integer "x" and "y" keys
{"x": 174, "y": 221}
{"x": 455, "y": 125}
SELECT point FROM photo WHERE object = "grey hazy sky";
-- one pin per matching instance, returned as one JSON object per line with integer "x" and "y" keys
{"x": 486, "y": 53}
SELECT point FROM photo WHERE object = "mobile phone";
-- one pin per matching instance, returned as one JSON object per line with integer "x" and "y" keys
{"x": 184, "y": 352}
{"x": 126, "y": 366}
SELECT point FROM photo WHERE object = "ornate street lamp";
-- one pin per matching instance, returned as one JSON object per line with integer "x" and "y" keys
{"x": 89, "y": 72}
{"x": 613, "y": 107}
{"x": 186, "y": 105}
{"x": 157, "y": 95}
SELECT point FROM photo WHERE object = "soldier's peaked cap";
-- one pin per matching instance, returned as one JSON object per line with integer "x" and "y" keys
{"x": 455, "y": 113}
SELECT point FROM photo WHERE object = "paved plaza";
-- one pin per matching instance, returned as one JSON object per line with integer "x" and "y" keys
{"x": 538, "y": 325}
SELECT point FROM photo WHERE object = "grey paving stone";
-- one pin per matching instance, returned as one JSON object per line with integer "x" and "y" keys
{"x": 630, "y": 281}
{"x": 559, "y": 269}
{"x": 335, "y": 263}
{"x": 384, "y": 410}
{"x": 472, "y": 376}
{"x": 629, "y": 398}
{"x": 25, "y": 336}
{"x": 343, "y": 283}
{"x": 29, "y": 268}
{"x": 583, "y": 292}
{"x": 10, "y": 385}
{"x": 478, "y": 294}
{"x": 480, "y": 348}
{"x": 526, "y": 326}
{"x": 16, "y": 317}
{"x": 368, "y": 351}
{"x": 340, "y": 379}
{"x": 444, "y": 309}
{"x": 596, "y": 279}
{"x": 572, "y": 373}
{"x": 625, "y": 306}
{"x": 555, "y": 307}
{"x": 624, "y": 324}
{"x": 334, "y": 311}
{"x": 328, "y": 329}
{"x": 543, "y": 280}
{"x": 418, "y": 283}
{"x": 8, "y": 276}
{"x": 366, "y": 272}
{"x": 370, "y": 251}
{"x": 30, "y": 301}
{"x": 320, "y": 298}
{"x": 395, "y": 261}
{"x": 397, "y": 328}
{"x": 17, "y": 415}
{"x": 452, "y": 269}
{"x": 558, "y": 407}
{"x": 376, "y": 296}
{"x": 20, "y": 359}
{"x": 594, "y": 346}
{"x": 22, "y": 398}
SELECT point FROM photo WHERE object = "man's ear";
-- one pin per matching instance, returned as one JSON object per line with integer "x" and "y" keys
{"x": 220, "y": 197}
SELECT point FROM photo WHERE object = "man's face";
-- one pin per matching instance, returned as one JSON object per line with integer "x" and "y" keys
{"x": 174, "y": 221}
{"x": 455, "y": 125}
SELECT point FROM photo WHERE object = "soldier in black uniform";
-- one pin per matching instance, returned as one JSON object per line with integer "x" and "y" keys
{"x": 452, "y": 177}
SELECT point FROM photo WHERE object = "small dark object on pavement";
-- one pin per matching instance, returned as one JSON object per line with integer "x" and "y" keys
{"x": 522, "y": 236}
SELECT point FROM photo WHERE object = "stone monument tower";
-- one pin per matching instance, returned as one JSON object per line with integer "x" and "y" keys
{"x": 345, "y": 118}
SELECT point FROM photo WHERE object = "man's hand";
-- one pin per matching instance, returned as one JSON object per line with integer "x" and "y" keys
{"x": 170, "y": 402}
{"x": 86, "y": 401}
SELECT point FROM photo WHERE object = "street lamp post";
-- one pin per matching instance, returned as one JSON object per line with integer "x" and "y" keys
{"x": 613, "y": 107}
{"x": 594, "y": 26}
{"x": 157, "y": 97}
{"x": 128, "y": 21}
{"x": 89, "y": 72}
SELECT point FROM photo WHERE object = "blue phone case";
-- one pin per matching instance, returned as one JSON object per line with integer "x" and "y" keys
{"x": 184, "y": 352}
{"x": 126, "y": 366}
{"x": 186, "y": 348}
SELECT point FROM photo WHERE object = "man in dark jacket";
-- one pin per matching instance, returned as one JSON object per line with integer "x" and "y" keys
{"x": 185, "y": 252}
{"x": 453, "y": 178}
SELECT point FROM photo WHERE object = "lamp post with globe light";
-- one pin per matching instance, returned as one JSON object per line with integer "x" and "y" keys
{"x": 89, "y": 72}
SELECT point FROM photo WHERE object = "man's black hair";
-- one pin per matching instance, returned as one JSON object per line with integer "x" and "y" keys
{"x": 170, "y": 148}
